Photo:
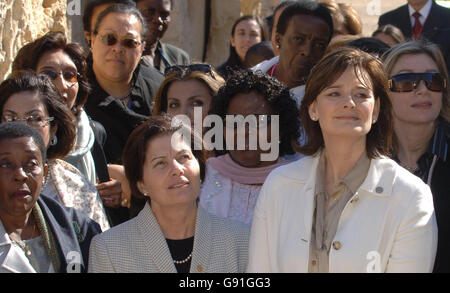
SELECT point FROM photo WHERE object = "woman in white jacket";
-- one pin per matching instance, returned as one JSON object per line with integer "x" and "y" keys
{"x": 345, "y": 207}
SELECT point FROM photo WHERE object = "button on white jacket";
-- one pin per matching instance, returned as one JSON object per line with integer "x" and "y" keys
{"x": 388, "y": 226}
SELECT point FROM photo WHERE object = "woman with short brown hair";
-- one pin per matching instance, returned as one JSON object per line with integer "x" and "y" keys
{"x": 345, "y": 207}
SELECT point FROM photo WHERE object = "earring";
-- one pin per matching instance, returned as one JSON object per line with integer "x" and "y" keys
{"x": 54, "y": 140}
{"x": 314, "y": 118}
{"x": 374, "y": 121}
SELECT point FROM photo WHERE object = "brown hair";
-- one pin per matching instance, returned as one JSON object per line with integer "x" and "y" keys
{"x": 325, "y": 73}
{"x": 22, "y": 81}
{"x": 134, "y": 153}
{"x": 352, "y": 21}
{"x": 28, "y": 57}
{"x": 391, "y": 57}
{"x": 213, "y": 81}
{"x": 391, "y": 31}
{"x": 340, "y": 41}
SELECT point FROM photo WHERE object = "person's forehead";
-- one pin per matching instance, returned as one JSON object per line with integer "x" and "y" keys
{"x": 154, "y": 4}
{"x": 25, "y": 144}
{"x": 122, "y": 23}
{"x": 306, "y": 23}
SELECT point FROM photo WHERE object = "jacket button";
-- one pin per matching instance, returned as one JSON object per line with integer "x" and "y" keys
{"x": 199, "y": 268}
{"x": 337, "y": 245}
{"x": 379, "y": 189}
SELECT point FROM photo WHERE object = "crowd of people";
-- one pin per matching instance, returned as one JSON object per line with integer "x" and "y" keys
{"x": 121, "y": 157}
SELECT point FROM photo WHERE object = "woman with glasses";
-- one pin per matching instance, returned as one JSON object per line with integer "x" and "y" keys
{"x": 233, "y": 180}
{"x": 172, "y": 233}
{"x": 32, "y": 98}
{"x": 345, "y": 207}
{"x": 122, "y": 92}
{"x": 37, "y": 234}
{"x": 66, "y": 65}
{"x": 419, "y": 90}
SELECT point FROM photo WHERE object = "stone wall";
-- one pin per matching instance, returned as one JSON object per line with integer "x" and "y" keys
{"x": 25, "y": 20}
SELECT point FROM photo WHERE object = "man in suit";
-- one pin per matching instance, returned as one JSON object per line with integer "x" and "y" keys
{"x": 422, "y": 19}
{"x": 158, "y": 54}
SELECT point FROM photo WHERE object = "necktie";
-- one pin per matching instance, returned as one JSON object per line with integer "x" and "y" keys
{"x": 418, "y": 27}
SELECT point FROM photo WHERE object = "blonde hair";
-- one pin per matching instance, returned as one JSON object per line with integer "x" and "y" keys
{"x": 391, "y": 57}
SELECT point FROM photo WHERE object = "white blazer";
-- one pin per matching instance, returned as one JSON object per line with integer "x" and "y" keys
{"x": 12, "y": 258}
{"x": 388, "y": 225}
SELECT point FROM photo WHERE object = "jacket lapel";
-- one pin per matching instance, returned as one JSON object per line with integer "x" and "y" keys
{"x": 202, "y": 242}
{"x": 151, "y": 233}
{"x": 432, "y": 23}
{"x": 12, "y": 260}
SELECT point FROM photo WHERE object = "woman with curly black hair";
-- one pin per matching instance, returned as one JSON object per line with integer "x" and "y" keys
{"x": 265, "y": 114}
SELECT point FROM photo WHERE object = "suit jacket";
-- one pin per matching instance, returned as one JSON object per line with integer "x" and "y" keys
{"x": 388, "y": 225}
{"x": 220, "y": 246}
{"x": 436, "y": 27}
{"x": 72, "y": 230}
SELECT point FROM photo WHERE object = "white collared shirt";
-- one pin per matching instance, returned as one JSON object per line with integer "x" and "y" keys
{"x": 424, "y": 12}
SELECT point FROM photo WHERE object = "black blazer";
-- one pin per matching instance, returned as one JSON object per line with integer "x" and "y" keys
{"x": 117, "y": 119}
{"x": 73, "y": 232}
{"x": 436, "y": 28}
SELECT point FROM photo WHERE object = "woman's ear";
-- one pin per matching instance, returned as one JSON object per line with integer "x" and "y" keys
{"x": 312, "y": 111}
{"x": 141, "y": 188}
{"x": 233, "y": 44}
{"x": 278, "y": 39}
{"x": 376, "y": 110}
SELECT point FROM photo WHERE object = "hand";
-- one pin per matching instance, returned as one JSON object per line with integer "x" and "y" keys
{"x": 111, "y": 193}
{"x": 117, "y": 172}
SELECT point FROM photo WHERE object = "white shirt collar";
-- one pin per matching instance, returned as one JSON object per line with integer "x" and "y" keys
{"x": 425, "y": 11}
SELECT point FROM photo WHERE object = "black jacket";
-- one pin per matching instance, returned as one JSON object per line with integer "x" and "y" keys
{"x": 440, "y": 188}
{"x": 436, "y": 28}
{"x": 73, "y": 233}
{"x": 117, "y": 119}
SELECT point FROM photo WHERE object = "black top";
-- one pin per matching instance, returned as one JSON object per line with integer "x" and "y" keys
{"x": 436, "y": 162}
{"x": 180, "y": 250}
{"x": 117, "y": 118}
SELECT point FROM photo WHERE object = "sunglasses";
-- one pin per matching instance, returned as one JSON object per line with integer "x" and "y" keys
{"x": 205, "y": 68}
{"x": 111, "y": 40}
{"x": 69, "y": 76}
{"x": 407, "y": 82}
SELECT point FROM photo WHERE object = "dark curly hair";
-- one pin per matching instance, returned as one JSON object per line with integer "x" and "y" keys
{"x": 275, "y": 93}
{"x": 28, "y": 58}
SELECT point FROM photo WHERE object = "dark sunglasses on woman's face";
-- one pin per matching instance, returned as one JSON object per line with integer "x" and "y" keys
{"x": 111, "y": 40}
{"x": 68, "y": 75}
{"x": 407, "y": 82}
{"x": 205, "y": 68}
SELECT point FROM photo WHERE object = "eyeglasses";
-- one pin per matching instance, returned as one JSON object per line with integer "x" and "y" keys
{"x": 183, "y": 69}
{"x": 71, "y": 77}
{"x": 111, "y": 39}
{"x": 407, "y": 82}
{"x": 33, "y": 120}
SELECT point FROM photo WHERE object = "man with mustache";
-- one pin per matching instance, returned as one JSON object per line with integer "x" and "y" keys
{"x": 158, "y": 54}
{"x": 303, "y": 32}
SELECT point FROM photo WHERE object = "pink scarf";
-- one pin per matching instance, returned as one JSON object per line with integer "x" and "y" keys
{"x": 243, "y": 175}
